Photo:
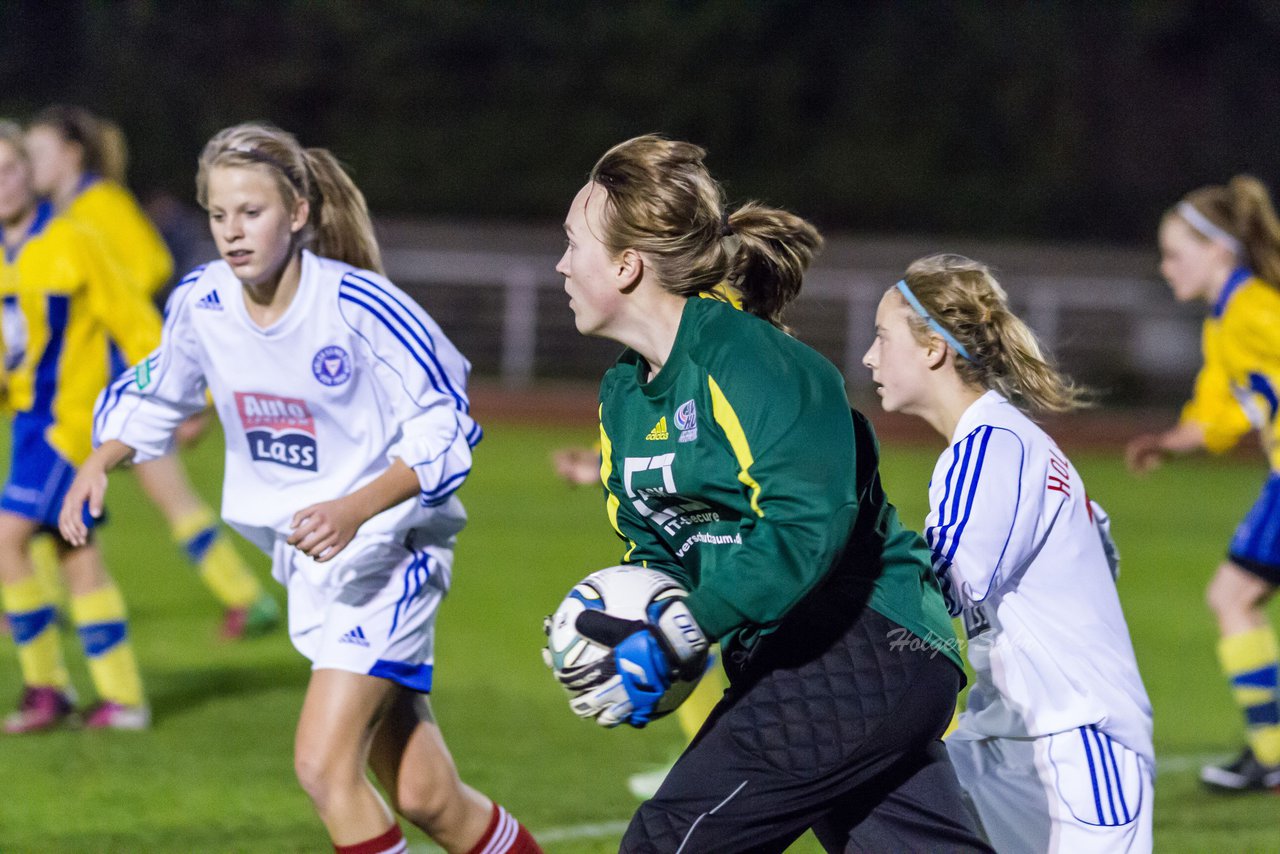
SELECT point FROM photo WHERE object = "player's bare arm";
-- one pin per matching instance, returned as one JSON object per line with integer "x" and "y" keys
{"x": 90, "y": 485}
{"x": 1146, "y": 452}
{"x": 323, "y": 530}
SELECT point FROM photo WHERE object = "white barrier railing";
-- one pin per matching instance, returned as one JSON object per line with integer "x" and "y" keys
{"x": 1098, "y": 325}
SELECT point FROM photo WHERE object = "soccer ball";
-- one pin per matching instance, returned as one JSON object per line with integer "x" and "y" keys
{"x": 626, "y": 592}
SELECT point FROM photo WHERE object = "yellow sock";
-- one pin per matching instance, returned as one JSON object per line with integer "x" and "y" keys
{"x": 100, "y": 620}
{"x": 33, "y": 619}
{"x": 696, "y": 708}
{"x": 1251, "y": 661}
{"x": 221, "y": 568}
{"x": 44, "y": 559}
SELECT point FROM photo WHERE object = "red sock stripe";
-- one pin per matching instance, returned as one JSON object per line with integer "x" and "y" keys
{"x": 391, "y": 842}
{"x": 505, "y": 835}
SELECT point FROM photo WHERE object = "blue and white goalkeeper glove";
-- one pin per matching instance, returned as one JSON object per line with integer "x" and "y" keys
{"x": 648, "y": 655}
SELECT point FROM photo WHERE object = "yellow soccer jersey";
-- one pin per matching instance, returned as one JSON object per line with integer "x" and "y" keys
{"x": 1236, "y": 390}
{"x": 111, "y": 212}
{"x": 62, "y": 298}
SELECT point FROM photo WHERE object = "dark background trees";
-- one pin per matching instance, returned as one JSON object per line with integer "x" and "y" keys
{"x": 1035, "y": 119}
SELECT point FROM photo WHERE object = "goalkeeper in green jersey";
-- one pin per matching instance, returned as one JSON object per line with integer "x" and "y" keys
{"x": 733, "y": 462}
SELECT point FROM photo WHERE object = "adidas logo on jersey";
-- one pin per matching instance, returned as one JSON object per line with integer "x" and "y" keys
{"x": 659, "y": 431}
{"x": 210, "y": 301}
{"x": 355, "y": 636}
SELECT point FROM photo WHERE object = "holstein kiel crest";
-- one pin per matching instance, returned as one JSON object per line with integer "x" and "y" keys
{"x": 332, "y": 365}
{"x": 687, "y": 421}
{"x": 279, "y": 429}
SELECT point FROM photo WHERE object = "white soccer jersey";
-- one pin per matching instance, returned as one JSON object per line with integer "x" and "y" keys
{"x": 1017, "y": 550}
{"x": 355, "y": 374}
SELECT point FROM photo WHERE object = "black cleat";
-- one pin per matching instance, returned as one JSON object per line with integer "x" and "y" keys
{"x": 1245, "y": 774}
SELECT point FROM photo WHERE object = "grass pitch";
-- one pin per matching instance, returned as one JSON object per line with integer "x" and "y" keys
{"x": 215, "y": 773}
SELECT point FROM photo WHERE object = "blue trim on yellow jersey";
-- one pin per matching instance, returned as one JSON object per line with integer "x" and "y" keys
{"x": 57, "y": 313}
{"x": 44, "y": 213}
{"x": 1259, "y": 384}
{"x": 1238, "y": 277}
{"x": 86, "y": 181}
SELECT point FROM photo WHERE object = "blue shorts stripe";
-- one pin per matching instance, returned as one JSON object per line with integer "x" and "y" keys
{"x": 1106, "y": 776}
{"x": 1256, "y": 541}
{"x": 38, "y": 475}
{"x": 1093, "y": 774}
{"x": 416, "y": 677}
{"x": 1115, "y": 766}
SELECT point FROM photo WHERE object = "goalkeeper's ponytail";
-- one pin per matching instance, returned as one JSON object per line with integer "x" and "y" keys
{"x": 338, "y": 226}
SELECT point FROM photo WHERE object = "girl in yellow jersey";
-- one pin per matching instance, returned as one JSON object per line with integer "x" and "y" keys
{"x": 61, "y": 297}
{"x": 1221, "y": 244}
{"x": 79, "y": 164}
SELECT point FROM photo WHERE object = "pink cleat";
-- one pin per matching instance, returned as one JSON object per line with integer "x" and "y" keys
{"x": 253, "y": 621}
{"x": 41, "y": 708}
{"x": 109, "y": 715}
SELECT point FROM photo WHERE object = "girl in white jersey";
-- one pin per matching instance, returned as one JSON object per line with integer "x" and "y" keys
{"x": 347, "y": 430}
{"x": 1054, "y": 747}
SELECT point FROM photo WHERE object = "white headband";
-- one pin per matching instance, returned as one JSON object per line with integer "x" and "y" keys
{"x": 1207, "y": 228}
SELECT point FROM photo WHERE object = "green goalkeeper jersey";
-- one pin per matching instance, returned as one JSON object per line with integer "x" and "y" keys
{"x": 740, "y": 470}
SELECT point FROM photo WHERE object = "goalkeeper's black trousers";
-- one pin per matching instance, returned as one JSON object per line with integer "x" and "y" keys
{"x": 840, "y": 734}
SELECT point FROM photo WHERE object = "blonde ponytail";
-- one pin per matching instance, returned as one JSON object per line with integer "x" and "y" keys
{"x": 1244, "y": 211}
{"x": 662, "y": 202}
{"x": 338, "y": 226}
{"x": 963, "y": 296}
{"x": 774, "y": 250}
{"x": 113, "y": 152}
{"x": 343, "y": 229}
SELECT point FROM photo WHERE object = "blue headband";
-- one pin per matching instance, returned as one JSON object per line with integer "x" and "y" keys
{"x": 933, "y": 324}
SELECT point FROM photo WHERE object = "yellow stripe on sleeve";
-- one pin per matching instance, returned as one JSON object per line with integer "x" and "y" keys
{"x": 724, "y": 415}
{"x": 606, "y": 469}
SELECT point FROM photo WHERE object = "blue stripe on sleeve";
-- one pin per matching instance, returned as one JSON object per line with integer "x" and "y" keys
{"x": 350, "y": 296}
{"x": 446, "y": 486}
{"x": 946, "y": 542}
{"x": 973, "y": 490}
{"x": 938, "y": 532}
{"x": 390, "y": 309}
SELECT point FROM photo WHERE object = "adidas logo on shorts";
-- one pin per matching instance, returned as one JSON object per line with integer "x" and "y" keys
{"x": 355, "y": 636}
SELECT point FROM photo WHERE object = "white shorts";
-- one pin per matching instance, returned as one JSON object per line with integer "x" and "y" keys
{"x": 1075, "y": 791}
{"x": 371, "y": 610}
